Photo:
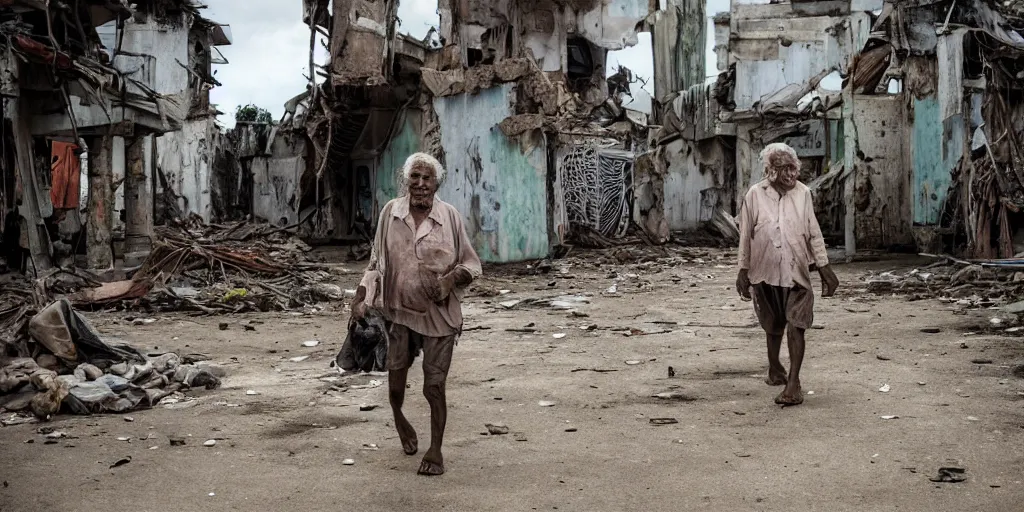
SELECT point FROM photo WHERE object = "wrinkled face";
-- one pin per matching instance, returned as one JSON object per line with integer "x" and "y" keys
{"x": 422, "y": 186}
{"x": 785, "y": 170}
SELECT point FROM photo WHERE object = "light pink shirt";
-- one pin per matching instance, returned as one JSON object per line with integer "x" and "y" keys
{"x": 404, "y": 256}
{"x": 779, "y": 236}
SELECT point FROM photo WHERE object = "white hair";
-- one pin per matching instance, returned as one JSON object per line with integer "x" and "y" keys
{"x": 776, "y": 153}
{"x": 416, "y": 159}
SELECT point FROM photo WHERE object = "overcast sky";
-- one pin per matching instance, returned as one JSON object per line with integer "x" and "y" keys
{"x": 270, "y": 52}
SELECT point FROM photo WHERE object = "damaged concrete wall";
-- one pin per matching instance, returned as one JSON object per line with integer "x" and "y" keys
{"x": 679, "y": 39}
{"x": 404, "y": 143}
{"x": 160, "y": 53}
{"x": 185, "y": 159}
{"x": 937, "y": 142}
{"x": 499, "y": 184}
{"x": 696, "y": 182}
{"x": 774, "y": 47}
{"x": 362, "y": 38}
{"x": 276, "y": 179}
{"x": 538, "y": 27}
{"x": 881, "y": 184}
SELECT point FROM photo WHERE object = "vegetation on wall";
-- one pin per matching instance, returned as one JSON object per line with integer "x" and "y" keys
{"x": 252, "y": 114}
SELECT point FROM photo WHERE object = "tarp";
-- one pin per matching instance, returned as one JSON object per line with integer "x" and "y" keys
{"x": 65, "y": 176}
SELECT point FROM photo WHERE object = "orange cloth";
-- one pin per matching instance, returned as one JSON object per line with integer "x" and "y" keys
{"x": 65, "y": 175}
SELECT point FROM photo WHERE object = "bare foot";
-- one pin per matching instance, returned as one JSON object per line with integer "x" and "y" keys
{"x": 431, "y": 467}
{"x": 790, "y": 396}
{"x": 775, "y": 378}
{"x": 410, "y": 446}
{"x": 407, "y": 434}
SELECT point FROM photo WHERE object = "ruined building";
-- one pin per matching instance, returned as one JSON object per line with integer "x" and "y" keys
{"x": 96, "y": 95}
{"x": 512, "y": 96}
{"x": 906, "y": 116}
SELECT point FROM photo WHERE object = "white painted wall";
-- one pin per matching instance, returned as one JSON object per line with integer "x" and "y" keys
{"x": 185, "y": 157}
{"x": 165, "y": 44}
{"x": 684, "y": 182}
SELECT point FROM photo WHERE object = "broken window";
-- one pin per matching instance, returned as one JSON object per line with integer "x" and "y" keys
{"x": 581, "y": 60}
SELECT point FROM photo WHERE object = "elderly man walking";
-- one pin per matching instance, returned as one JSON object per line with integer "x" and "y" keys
{"x": 780, "y": 240}
{"x": 420, "y": 264}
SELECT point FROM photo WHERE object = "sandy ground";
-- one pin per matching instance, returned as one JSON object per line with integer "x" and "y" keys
{"x": 596, "y": 448}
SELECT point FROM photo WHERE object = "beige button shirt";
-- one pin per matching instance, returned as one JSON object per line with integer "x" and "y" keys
{"x": 405, "y": 259}
{"x": 779, "y": 236}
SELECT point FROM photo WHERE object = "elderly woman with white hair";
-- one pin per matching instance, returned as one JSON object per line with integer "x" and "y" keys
{"x": 421, "y": 262}
{"x": 780, "y": 241}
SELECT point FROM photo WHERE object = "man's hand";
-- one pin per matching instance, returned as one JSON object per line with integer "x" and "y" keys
{"x": 447, "y": 283}
{"x": 829, "y": 281}
{"x": 743, "y": 284}
{"x": 358, "y": 307}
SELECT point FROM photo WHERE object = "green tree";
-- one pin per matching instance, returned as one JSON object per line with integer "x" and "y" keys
{"x": 252, "y": 114}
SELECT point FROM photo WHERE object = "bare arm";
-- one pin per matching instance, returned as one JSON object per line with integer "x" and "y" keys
{"x": 815, "y": 241}
{"x": 746, "y": 230}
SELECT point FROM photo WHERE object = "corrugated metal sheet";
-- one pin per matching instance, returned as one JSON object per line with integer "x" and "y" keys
{"x": 497, "y": 184}
{"x": 936, "y": 147}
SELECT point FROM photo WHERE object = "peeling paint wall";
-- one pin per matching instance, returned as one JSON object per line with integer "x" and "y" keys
{"x": 679, "y": 40}
{"x": 696, "y": 182}
{"x": 404, "y": 143}
{"x": 161, "y": 47}
{"x": 185, "y": 158}
{"x": 362, "y": 37}
{"x": 499, "y": 185}
{"x": 275, "y": 185}
{"x": 881, "y": 183}
{"x": 773, "y": 47}
{"x": 612, "y": 25}
{"x": 936, "y": 146}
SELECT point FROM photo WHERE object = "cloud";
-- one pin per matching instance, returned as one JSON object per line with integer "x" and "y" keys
{"x": 269, "y": 56}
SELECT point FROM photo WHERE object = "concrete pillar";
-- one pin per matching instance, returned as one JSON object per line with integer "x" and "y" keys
{"x": 32, "y": 229}
{"x": 138, "y": 202}
{"x": 99, "y": 250}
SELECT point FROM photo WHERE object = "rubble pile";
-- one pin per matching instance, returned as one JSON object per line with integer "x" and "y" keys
{"x": 987, "y": 284}
{"x": 59, "y": 363}
{"x": 220, "y": 269}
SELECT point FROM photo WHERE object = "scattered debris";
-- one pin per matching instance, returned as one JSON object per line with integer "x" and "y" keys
{"x": 497, "y": 429}
{"x": 75, "y": 371}
{"x": 672, "y": 395}
{"x": 950, "y": 474}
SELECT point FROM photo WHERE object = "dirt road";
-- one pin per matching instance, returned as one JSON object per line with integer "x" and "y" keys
{"x": 596, "y": 447}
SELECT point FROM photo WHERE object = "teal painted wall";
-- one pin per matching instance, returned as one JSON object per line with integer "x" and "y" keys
{"x": 936, "y": 147}
{"x": 403, "y": 144}
{"x": 500, "y": 189}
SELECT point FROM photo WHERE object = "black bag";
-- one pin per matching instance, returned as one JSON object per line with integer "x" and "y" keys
{"x": 366, "y": 345}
